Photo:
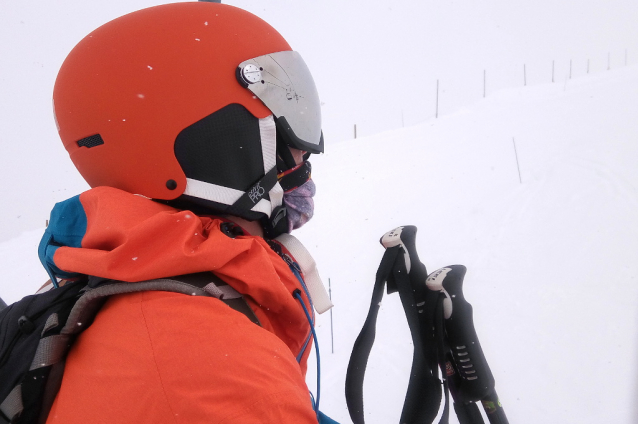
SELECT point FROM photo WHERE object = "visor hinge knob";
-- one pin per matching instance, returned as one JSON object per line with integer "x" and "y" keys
{"x": 251, "y": 74}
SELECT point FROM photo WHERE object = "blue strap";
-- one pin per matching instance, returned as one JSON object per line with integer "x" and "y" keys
{"x": 297, "y": 295}
{"x": 294, "y": 267}
{"x": 324, "y": 419}
{"x": 321, "y": 417}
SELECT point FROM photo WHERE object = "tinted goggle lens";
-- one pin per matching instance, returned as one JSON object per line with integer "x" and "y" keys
{"x": 282, "y": 81}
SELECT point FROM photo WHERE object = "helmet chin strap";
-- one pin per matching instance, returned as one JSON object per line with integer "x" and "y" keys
{"x": 285, "y": 160}
{"x": 258, "y": 191}
{"x": 277, "y": 224}
{"x": 295, "y": 177}
{"x": 290, "y": 177}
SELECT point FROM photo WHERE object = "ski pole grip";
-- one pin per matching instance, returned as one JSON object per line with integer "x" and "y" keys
{"x": 477, "y": 381}
{"x": 405, "y": 237}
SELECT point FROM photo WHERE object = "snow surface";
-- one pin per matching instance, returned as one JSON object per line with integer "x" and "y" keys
{"x": 552, "y": 270}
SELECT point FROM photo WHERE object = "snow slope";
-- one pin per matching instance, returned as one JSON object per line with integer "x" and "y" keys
{"x": 551, "y": 257}
{"x": 552, "y": 270}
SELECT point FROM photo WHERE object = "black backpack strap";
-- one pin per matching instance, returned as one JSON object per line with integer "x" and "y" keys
{"x": 23, "y": 325}
{"x": 52, "y": 349}
{"x": 424, "y": 389}
{"x": 49, "y": 360}
{"x": 12, "y": 405}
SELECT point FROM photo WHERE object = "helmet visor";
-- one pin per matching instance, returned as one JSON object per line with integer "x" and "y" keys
{"x": 282, "y": 81}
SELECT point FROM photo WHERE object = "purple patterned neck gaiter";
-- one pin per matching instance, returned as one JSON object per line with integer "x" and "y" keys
{"x": 299, "y": 205}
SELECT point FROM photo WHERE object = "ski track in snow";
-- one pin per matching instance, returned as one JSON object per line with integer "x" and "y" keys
{"x": 552, "y": 270}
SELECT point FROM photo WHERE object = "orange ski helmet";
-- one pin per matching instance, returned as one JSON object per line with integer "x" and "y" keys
{"x": 187, "y": 102}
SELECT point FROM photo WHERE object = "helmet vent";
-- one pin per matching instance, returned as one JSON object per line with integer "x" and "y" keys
{"x": 91, "y": 141}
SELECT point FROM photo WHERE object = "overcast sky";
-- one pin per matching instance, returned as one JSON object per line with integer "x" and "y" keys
{"x": 376, "y": 64}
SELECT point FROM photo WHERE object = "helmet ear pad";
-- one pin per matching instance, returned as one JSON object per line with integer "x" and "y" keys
{"x": 223, "y": 150}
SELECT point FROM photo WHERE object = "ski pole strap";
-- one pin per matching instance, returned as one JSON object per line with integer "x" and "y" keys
{"x": 424, "y": 389}
{"x": 363, "y": 345}
{"x": 442, "y": 349}
{"x": 423, "y": 396}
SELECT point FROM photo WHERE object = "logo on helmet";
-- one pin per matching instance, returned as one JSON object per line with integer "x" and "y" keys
{"x": 256, "y": 193}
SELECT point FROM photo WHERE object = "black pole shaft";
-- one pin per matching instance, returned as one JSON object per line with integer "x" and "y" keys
{"x": 468, "y": 413}
{"x": 494, "y": 410}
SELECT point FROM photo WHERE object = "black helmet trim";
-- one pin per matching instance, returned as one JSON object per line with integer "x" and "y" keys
{"x": 283, "y": 82}
{"x": 261, "y": 197}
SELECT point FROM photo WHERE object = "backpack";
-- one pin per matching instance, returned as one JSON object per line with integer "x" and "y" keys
{"x": 37, "y": 332}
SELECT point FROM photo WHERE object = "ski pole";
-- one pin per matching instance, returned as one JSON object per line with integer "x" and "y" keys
{"x": 443, "y": 337}
{"x": 494, "y": 409}
{"x": 471, "y": 379}
{"x": 468, "y": 375}
{"x": 468, "y": 413}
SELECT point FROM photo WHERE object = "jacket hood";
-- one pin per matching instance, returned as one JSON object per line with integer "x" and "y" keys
{"x": 110, "y": 233}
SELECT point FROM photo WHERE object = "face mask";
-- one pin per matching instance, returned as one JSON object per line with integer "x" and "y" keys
{"x": 299, "y": 204}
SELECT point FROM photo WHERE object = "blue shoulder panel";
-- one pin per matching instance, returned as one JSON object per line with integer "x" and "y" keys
{"x": 67, "y": 227}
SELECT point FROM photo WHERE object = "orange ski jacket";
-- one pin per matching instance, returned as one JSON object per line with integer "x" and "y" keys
{"x": 158, "y": 357}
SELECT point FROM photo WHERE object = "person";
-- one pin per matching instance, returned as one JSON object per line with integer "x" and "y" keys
{"x": 193, "y": 124}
